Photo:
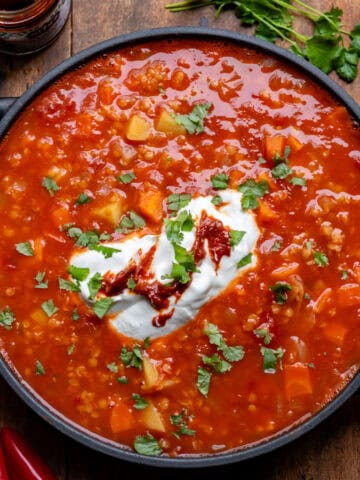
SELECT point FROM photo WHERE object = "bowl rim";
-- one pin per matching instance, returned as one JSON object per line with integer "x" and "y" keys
{"x": 45, "y": 410}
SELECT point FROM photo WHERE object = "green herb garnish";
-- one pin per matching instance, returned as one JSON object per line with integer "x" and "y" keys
{"x": 112, "y": 367}
{"x": 94, "y": 285}
{"x": 271, "y": 357}
{"x": 132, "y": 358}
{"x": 108, "y": 252}
{"x": 78, "y": 273}
{"x": 264, "y": 334}
{"x": 140, "y": 402}
{"x": 82, "y": 199}
{"x": 49, "y": 308}
{"x": 6, "y": 318}
{"x": 131, "y": 284}
{"x": 68, "y": 285}
{"x": 131, "y": 221}
{"x": 236, "y": 236}
{"x": 194, "y": 121}
{"x": 245, "y": 261}
{"x": 218, "y": 364}
{"x": 321, "y": 259}
{"x": 251, "y": 191}
{"x": 25, "y": 248}
{"x": 220, "y": 181}
{"x": 102, "y": 306}
{"x": 50, "y": 185}
{"x": 147, "y": 445}
{"x": 39, "y": 278}
{"x": 280, "y": 290}
{"x": 203, "y": 381}
{"x": 39, "y": 369}
{"x": 216, "y": 200}
{"x": 126, "y": 177}
{"x": 176, "y": 201}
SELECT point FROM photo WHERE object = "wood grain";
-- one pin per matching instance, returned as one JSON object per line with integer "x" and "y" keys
{"x": 332, "y": 450}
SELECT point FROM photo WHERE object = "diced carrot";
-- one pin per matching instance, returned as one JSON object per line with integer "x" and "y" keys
{"x": 323, "y": 300}
{"x": 297, "y": 381}
{"x": 339, "y": 115}
{"x": 150, "y": 204}
{"x": 106, "y": 93}
{"x": 274, "y": 145}
{"x": 294, "y": 144}
{"x": 38, "y": 249}
{"x": 61, "y": 215}
{"x": 349, "y": 295}
{"x": 266, "y": 212}
{"x": 121, "y": 418}
{"x": 335, "y": 333}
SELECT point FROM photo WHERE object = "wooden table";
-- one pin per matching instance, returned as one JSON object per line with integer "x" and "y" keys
{"x": 332, "y": 450}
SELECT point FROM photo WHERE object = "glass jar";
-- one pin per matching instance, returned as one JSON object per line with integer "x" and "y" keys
{"x": 27, "y": 26}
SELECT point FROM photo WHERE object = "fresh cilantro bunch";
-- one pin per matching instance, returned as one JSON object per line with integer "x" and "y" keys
{"x": 273, "y": 19}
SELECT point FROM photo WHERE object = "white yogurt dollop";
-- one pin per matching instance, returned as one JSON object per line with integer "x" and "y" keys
{"x": 132, "y": 314}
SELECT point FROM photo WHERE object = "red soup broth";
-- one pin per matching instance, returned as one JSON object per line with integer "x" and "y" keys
{"x": 295, "y": 315}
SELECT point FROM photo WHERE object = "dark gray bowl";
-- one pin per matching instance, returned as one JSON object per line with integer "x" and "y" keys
{"x": 10, "y": 108}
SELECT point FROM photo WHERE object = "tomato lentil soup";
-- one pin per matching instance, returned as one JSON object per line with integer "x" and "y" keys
{"x": 123, "y": 151}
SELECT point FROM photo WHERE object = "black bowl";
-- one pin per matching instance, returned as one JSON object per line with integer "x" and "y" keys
{"x": 11, "y": 108}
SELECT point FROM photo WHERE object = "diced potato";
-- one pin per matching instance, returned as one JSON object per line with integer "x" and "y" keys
{"x": 152, "y": 418}
{"x": 121, "y": 418}
{"x": 57, "y": 173}
{"x": 39, "y": 316}
{"x": 151, "y": 374}
{"x": 112, "y": 211}
{"x": 167, "y": 124}
{"x": 150, "y": 205}
{"x": 297, "y": 381}
{"x": 137, "y": 129}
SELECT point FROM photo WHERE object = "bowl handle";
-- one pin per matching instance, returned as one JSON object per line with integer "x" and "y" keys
{"x": 5, "y": 104}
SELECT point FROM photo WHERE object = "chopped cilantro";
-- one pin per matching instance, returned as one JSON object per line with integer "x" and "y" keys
{"x": 281, "y": 171}
{"x": 178, "y": 273}
{"x": 264, "y": 334}
{"x": 132, "y": 358}
{"x": 236, "y": 236}
{"x": 39, "y": 277}
{"x": 245, "y": 261}
{"x": 307, "y": 297}
{"x": 112, "y": 367}
{"x": 180, "y": 420}
{"x": 68, "y": 285}
{"x": 131, "y": 221}
{"x": 232, "y": 354}
{"x": 49, "y": 308}
{"x": 311, "y": 365}
{"x": 75, "y": 315}
{"x": 271, "y": 357}
{"x": 107, "y": 252}
{"x": 203, "y": 381}
{"x": 123, "y": 380}
{"x": 344, "y": 275}
{"x": 216, "y": 200}
{"x": 82, "y": 199}
{"x": 174, "y": 228}
{"x": 220, "y": 181}
{"x": 321, "y": 259}
{"x": 147, "y": 342}
{"x": 147, "y": 445}
{"x": 298, "y": 181}
{"x": 216, "y": 363}
{"x": 261, "y": 160}
{"x": 71, "y": 349}
{"x": 280, "y": 290}
{"x": 127, "y": 177}
{"x": 78, "y": 273}
{"x": 140, "y": 402}
{"x": 6, "y": 318}
{"x": 39, "y": 369}
{"x": 131, "y": 284}
{"x": 83, "y": 239}
{"x": 251, "y": 191}
{"x": 176, "y": 201}
{"x": 25, "y": 248}
{"x": 102, "y": 306}
{"x": 104, "y": 237}
{"x": 50, "y": 185}
{"x": 194, "y": 121}
{"x": 276, "y": 246}
{"x": 186, "y": 263}
{"x": 94, "y": 285}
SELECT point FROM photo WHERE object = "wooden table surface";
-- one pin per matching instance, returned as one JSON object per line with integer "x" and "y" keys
{"x": 332, "y": 450}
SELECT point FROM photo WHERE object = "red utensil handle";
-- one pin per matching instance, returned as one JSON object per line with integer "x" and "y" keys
{"x": 22, "y": 461}
{"x": 3, "y": 471}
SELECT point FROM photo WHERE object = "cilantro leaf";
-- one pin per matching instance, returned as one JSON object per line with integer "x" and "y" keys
{"x": 203, "y": 381}
{"x": 344, "y": 275}
{"x": 179, "y": 273}
{"x": 174, "y": 228}
{"x": 75, "y": 315}
{"x": 39, "y": 368}
{"x": 68, "y": 285}
{"x": 321, "y": 259}
{"x": 140, "y": 402}
{"x": 102, "y": 306}
{"x": 281, "y": 171}
{"x": 123, "y": 380}
{"x": 216, "y": 200}
{"x": 131, "y": 221}
{"x": 216, "y": 363}
{"x": 131, "y": 284}
{"x": 94, "y": 285}
{"x": 78, "y": 273}
{"x": 50, "y": 185}
{"x": 126, "y": 177}
{"x": 194, "y": 121}
{"x": 83, "y": 239}
{"x": 264, "y": 334}
{"x": 276, "y": 246}
{"x": 355, "y": 38}
{"x": 39, "y": 277}
{"x": 147, "y": 445}
{"x": 49, "y": 308}
{"x": 280, "y": 290}
{"x": 25, "y": 248}
{"x": 251, "y": 191}
{"x": 71, "y": 349}
{"x": 245, "y": 261}
{"x": 271, "y": 357}
{"x": 176, "y": 201}
{"x": 82, "y": 199}
{"x": 132, "y": 358}
{"x": 322, "y": 51}
{"x": 108, "y": 252}
{"x": 236, "y": 236}
{"x": 346, "y": 64}
{"x": 112, "y": 367}
{"x": 298, "y": 181}
{"x": 6, "y": 318}
{"x": 232, "y": 354}
{"x": 180, "y": 420}
{"x": 220, "y": 181}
